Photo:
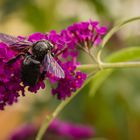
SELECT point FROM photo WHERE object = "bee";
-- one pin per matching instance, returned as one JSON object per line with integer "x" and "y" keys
{"x": 38, "y": 59}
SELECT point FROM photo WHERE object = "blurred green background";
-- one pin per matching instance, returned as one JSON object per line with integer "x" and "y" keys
{"x": 114, "y": 111}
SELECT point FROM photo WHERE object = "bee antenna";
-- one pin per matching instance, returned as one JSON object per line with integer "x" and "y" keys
{"x": 65, "y": 43}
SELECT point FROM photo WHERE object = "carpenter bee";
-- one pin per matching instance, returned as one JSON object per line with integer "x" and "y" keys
{"x": 38, "y": 58}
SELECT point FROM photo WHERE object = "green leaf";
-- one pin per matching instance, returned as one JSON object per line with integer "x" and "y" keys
{"x": 127, "y": 54}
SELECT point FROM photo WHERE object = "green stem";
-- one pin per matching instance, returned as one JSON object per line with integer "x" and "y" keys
{"x": 113, "y": 31}
{"x": 117, "y": 28}
{"x": 60, "y": 107}
{"x": 50, "y": 118}
{"x": 109, "y": 65}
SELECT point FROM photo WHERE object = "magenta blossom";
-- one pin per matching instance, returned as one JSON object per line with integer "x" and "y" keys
{"x": 9, "y": 78}
{"x": 57, "y": 130}
{"x": 84, "y": 34}
{"x": 67, "y": 43}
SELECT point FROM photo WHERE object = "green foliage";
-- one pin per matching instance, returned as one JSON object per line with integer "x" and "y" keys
{"x": 127, "y": 54}
{"x": 42, "y": 18}
{"x": 11, "y": 6}
{"x": 101, "y": 9}
{"x": 116, "y": 29}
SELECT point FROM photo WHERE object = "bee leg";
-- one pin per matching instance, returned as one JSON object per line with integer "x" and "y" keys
{"x": 1, "y": 83}
{"x": 14, "y": 59}
{"x": 27, "y": 54}
{"x": 42, "y": 76}
{"x": 60, "y": 52}
{"x": 52, "y": 54}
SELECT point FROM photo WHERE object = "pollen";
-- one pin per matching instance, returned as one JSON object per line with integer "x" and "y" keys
{"x": 79, "y": 77}
{"x": 12, "y": 75}
{"x": 69, "y": 68}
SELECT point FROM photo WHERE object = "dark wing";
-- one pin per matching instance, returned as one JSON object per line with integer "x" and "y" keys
{"x": 51, "y": 66}
{"x": 14, "y": 43}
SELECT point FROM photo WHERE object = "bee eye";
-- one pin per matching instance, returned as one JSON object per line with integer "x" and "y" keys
{"x": 47, "y": 50}
{"x": 52, "y": 54}
{"x": 51, "y": 47}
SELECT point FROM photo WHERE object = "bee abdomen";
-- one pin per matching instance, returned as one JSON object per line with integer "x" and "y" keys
{"x": 30, "y": 71}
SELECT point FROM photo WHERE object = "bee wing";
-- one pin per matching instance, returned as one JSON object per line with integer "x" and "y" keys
{"x": 51, "y": 66}
{"x": 14, "y": 43}
{"x": 8, "y": 39}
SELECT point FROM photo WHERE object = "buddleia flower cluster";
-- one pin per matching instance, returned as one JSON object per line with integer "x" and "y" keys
{"x": 67, "y": 43}
{"x": 59, "y": 130}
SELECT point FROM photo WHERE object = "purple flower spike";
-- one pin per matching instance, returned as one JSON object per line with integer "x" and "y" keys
{"x": 9, "y": 78}
{"x": 84, "y": 34}
{"x": 71, "y": 131}
{"x": 66, "y": 44}
{"x": 36, "y": 37}
{"x": 25, "y": 132}
{"x": 71, "y": 83}
{"x": 57, "y": 130}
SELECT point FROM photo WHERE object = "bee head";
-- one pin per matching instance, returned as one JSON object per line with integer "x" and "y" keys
{"x": 49, "y": 45}
{"x": 41, "y": 48}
